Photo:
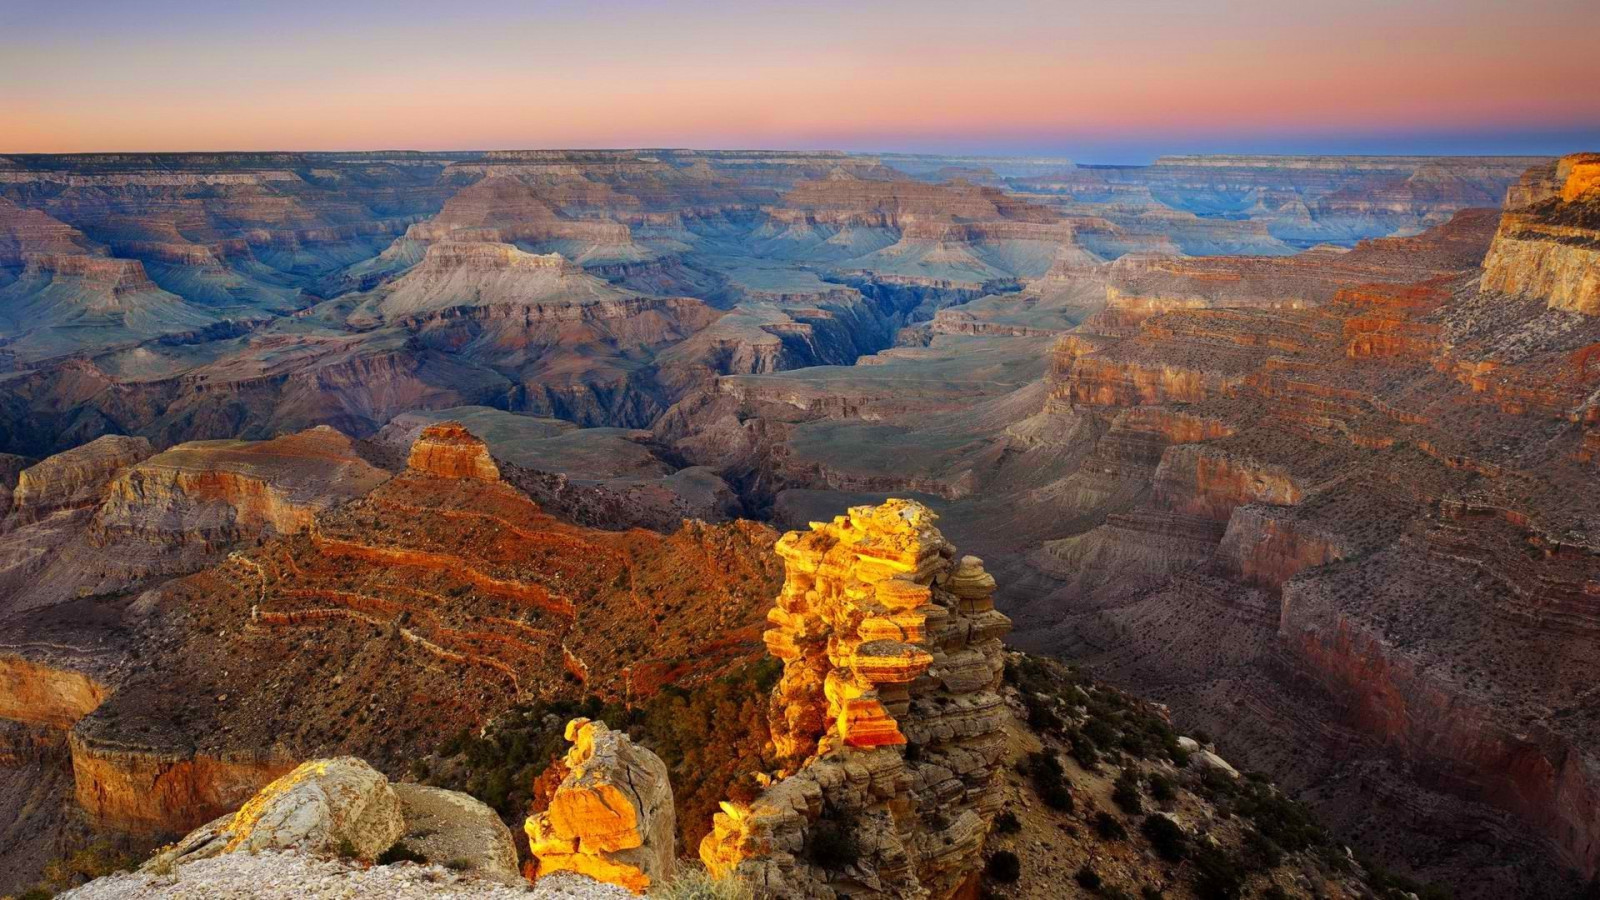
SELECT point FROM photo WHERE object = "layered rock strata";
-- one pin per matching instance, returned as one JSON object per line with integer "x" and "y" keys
{"x": 1548, "y": 244}
{"x": 887, "y": 712}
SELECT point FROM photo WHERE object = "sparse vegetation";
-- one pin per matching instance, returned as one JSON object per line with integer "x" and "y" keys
{"x": 1050, "y": 781}
{"x": 1166, "y": 837}
{"x": 1004, "y": 867}
{"x": 694, "y": 883}
{"x": 1108, "y": 827}
{"x": 1126, "y": 793}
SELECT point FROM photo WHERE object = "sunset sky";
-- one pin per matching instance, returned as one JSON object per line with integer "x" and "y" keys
{"x": 1100, "y": 81}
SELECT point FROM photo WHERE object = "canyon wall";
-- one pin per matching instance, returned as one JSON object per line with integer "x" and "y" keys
{"x": 1548, "y": 244}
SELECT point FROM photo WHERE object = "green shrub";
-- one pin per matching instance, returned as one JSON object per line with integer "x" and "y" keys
{"x": 1108, "y": 827}
{"x": 1166, "y": 837}
{"x": 1283, "y": 821}
{"x": 1050, "y": 781}
{"x": 1088, "y": 878}
{"x": 1007, "y": 823}
{"x": 1004, "y": 867}
{"x": 1100, "y": 733}
{"x": 1084, "y": 752}
{"x": 1126, "y": 793}
{"x": 1162, "y": 788}
{"x": 1218, "y": 876}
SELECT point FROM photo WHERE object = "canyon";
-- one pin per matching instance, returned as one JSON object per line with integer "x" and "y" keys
{"x": 314, "y": 455}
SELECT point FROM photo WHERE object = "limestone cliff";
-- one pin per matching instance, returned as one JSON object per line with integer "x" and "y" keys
{"x": 75, "y": 478}
{"x": 1548, "y": 244}
{"x": 887, "y": 710}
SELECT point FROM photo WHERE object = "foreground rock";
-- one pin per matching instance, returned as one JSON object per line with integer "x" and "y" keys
{"x": 612, "y": 818}
{"x": 293, "y": 876}
{"x": 325, "y": 807}
{"x": 449, "y": 826}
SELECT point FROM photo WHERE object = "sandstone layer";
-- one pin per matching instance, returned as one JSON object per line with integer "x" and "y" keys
{"x": 1548, "y": 244}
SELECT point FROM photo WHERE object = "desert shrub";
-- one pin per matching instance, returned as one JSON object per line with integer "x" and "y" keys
{"x": 1100, "y": 733}
{"x": 1162, "y": 788}
{"x": 1088, "y": 878}
{"x": 1050, "y": 781}
{"x": 1273, "y": 892}
{"x": 1166, "y": 837}
{"x": 1283, "y": 821}
{"x": 692, "y": 882}
{"x": 84, "y": 864}
{"x": 1150, "y": 893}
{"x": 1084, "y": 752}
{"x": 1004, "y": 867}
{"x": 1217, "y": 875}
{"x": 400, "y": 852}
{"x": 1126, "y": 793}
{"x": 1007, "y": 823}
{"x": 1393, "y": 885}
{"x": 712, "y": 740}
{"x": 1108, "y": 827}
{"x": 1258, "y": 852}
{"x": 1041, "y": 717}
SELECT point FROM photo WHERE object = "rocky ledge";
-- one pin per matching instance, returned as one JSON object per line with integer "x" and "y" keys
{"x": 1548, "y": 244}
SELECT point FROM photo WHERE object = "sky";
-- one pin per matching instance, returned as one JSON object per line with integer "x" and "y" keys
{"x": 1102, "y": 81}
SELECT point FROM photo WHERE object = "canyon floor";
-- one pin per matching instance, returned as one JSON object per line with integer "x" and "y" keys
{"x": 1304, "y": 450}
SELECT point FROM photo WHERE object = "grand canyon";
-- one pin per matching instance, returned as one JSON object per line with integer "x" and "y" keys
{"x": 937, "y": 524}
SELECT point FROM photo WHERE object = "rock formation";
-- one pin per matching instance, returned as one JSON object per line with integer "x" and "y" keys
{"x": 1548, "y": 244}
{"x": 325, "y": 807}
{"x": 448, "y": 450}
{"x": 343, "y": 808}
{"x": 887, "y": 712}
{"x": 612, "y": 816}
{"x": 76, "y": 478}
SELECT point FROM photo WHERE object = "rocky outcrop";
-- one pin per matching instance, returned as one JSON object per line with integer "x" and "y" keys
{"x": 143, "y": 789}
{"x": 75, "y": 478}
{"x": 1548, "y": 244}
{"x": 455, "y": 828}
{"x": 324, "y": 807}
{"x": 612, "y": 816}
{"x": 46, "y": 695}
{"x": 208, "y": 494}
{"x": 449, "y": 450}
{"x": 887, "y": 712}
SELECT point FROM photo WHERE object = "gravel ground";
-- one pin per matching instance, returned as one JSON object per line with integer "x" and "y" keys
{"x": 290, "y": 876}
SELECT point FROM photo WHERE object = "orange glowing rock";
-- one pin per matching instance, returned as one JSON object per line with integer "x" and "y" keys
{"x": 887, "y": 643}
{"x": 612, "y": 817}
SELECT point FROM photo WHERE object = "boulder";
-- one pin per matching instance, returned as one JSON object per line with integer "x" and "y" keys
{"x": 1205, "y": 759}
{"x": 448, "y": 827}
{"x": 326, "y": 807}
